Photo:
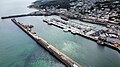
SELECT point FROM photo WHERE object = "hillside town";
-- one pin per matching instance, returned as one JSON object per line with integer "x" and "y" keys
{"x": 95, "y": 10}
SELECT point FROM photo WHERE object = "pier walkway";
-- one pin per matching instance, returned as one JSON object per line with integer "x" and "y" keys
{"x": 24, "y": 15}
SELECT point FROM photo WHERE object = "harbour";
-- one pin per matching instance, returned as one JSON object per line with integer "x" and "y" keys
{"x": 18, "y": 49}
{"x": 66, "y": 60}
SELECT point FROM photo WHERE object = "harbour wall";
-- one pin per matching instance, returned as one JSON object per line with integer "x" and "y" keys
{"x": 55, "y": 52}
{"x": 24, "y": 15}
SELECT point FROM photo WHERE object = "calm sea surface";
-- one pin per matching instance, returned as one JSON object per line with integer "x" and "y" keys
{"x": 19, "y": 50}
{"x": 16, "y": 48}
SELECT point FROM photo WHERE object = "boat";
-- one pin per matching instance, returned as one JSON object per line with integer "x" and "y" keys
{"x": 99, "y": 42}
{"x": 65, "y": 30}
{"x": 64, "y": 18}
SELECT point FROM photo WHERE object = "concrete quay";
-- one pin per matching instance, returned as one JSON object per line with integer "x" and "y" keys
{"x": 76, "y": 31}
{"x": 14, "y": 16}
{"x": 55, "y": 52}
{"x": 24, "y": 15}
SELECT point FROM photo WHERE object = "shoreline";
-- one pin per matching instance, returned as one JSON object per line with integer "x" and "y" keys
{"x": 50, "y": 14}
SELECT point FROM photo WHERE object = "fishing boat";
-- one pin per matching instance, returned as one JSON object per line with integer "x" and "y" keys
{"x": 64, "y": 18}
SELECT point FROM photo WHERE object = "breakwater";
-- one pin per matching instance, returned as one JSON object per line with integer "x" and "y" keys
{"x": 24, "y": 15}
{"x": 55, "y": 52}
{"x": 14, "y": 16}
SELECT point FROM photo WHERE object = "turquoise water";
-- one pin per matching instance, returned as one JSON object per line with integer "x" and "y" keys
{"x": 16, "y": 48}
{"x": 19, "y": 50}
{"x": 84, "y": 51}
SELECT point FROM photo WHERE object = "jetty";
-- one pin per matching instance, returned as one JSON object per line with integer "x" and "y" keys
{"x": 24, "y": 15}
{"x": 76, "y": 31}
{"x": 54, "y": 51}
{"x": 14, "y": 16}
